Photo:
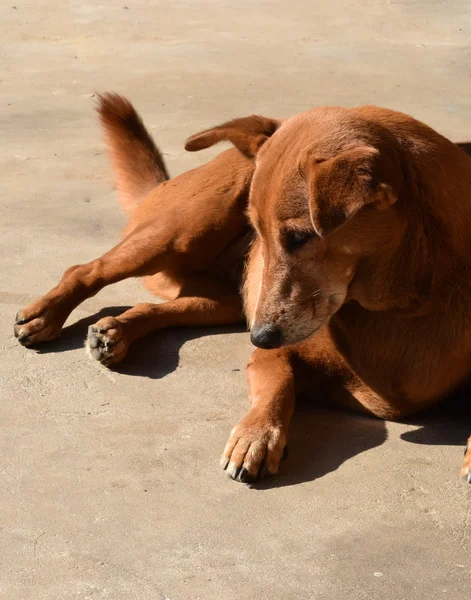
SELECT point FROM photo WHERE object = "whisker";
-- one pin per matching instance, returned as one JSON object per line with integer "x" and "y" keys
{"x": 317, "y": 294}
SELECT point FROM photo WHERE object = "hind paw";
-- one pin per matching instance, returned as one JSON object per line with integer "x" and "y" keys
{"x": 106, "y": 341}
{"x": 37, "y": 323}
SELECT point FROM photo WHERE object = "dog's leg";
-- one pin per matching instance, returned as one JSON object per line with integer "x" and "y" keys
{"x": 203, "y": 302}
{"x": 257, "y": 444}
{"x": 138, "y": 254}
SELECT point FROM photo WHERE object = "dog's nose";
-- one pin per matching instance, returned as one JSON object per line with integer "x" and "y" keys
{"x": 266, "y": 336}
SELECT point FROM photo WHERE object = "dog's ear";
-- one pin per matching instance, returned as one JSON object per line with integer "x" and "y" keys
{"x": 340, "y": 186}
{"x": 247, "y": 134}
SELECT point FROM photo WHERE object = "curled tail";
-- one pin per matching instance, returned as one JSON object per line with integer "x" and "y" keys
{"x": 136, "y": 161}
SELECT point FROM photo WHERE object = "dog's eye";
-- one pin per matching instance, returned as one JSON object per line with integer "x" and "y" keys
{"x": 296, "y": 239}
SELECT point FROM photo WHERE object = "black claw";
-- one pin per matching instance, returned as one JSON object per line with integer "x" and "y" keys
{"x": 224, "y": 464}
{"x": 245, "y": 476}
{"x": 263, "y": 469}
{"x": 234, "y": 474}
{"x": 23, "y": 338}
{"x": 285, "y": 453}
{"x": 19, "y": 320}
{"x": 263, "y": 472}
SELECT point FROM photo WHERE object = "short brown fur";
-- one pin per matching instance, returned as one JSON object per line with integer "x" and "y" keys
{"x": 358, "y": 279}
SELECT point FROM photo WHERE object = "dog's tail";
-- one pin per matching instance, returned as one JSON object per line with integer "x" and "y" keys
{"x": 136, "y": 160}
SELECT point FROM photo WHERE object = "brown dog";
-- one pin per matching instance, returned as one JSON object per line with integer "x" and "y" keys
{"x": 357, "y": 282}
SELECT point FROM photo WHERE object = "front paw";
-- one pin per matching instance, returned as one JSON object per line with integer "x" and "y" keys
{"x": 255, "y": 448}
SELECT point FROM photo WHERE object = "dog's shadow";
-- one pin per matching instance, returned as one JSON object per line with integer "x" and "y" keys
{"x": 321, "y": 440}
{"x": 449, "y": 423}
{"x": 155, "y": 355}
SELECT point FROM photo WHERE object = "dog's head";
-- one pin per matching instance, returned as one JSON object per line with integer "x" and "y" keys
{"x": 322, "y": 198}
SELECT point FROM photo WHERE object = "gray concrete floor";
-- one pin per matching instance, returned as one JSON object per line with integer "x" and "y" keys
{"x": 110, "y": 480}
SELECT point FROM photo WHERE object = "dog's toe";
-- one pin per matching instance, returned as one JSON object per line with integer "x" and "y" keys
{"x": 19, "y": 318}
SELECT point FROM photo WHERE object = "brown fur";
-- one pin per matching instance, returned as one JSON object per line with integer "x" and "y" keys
{"x": 358, "y": 280}
{"x": 136, "y": 160}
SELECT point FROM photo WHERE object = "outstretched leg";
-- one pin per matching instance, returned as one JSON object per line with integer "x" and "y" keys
{"x": 180, "y": 226}
{"x": 195, "y": 223}
{"x": 203, "y": 302}
{"x": 143, "y": 252}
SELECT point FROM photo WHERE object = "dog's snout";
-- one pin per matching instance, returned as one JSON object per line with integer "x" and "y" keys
{"x": 266, "y": 337}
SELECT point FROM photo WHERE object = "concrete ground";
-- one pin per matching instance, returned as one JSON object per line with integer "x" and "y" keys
{"x": 110, "y": 480}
